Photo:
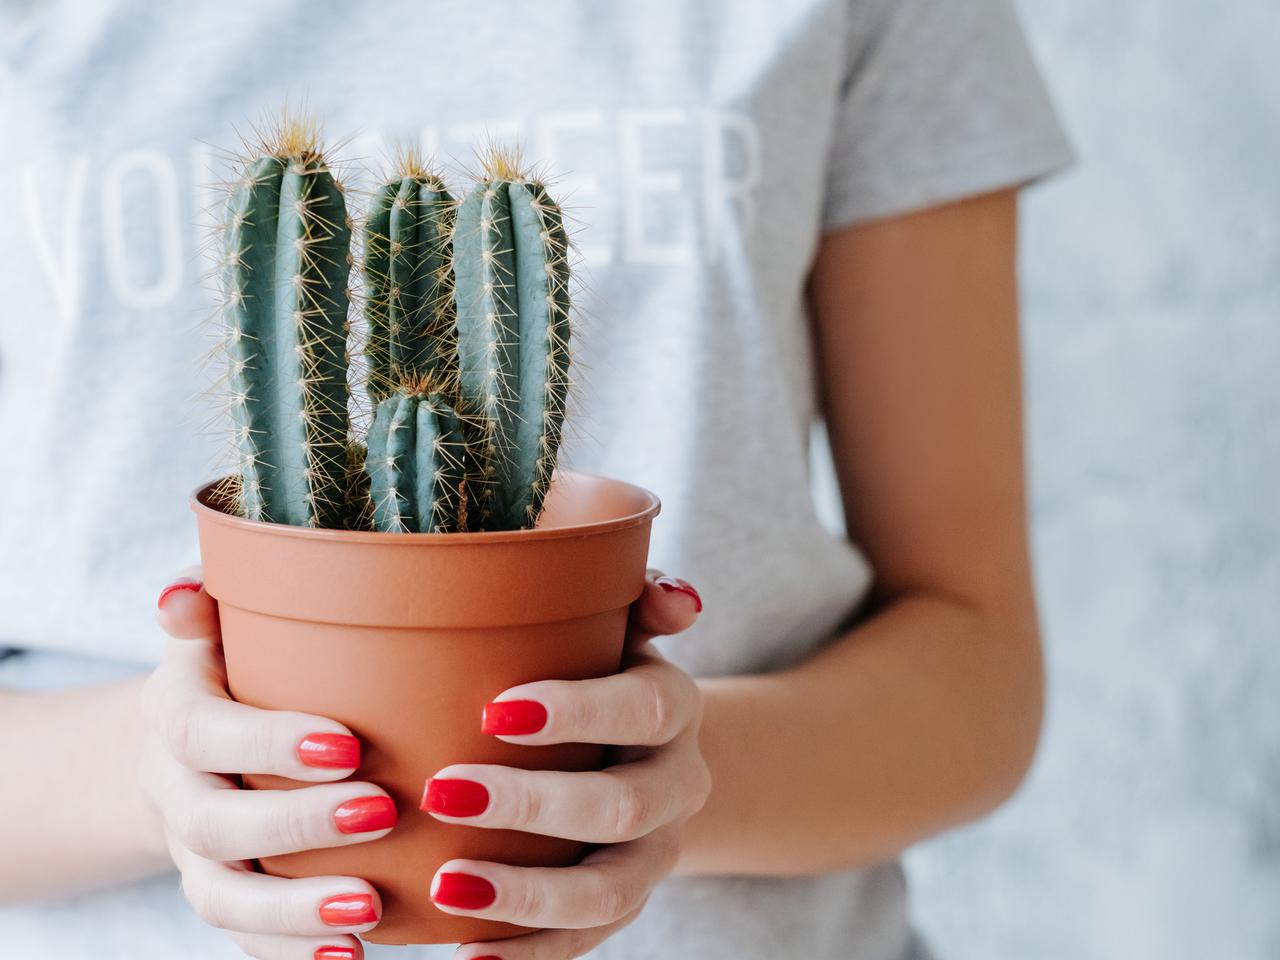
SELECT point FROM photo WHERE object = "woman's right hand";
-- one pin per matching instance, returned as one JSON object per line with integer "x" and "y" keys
{"x": 197, "y": 739}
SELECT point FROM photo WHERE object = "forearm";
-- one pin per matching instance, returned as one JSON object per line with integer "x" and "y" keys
{"x": 923, "y": 717}
{"x": 80, "y": 820}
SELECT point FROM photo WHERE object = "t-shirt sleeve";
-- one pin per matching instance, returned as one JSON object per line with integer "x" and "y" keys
{"x": 940, "y": 100}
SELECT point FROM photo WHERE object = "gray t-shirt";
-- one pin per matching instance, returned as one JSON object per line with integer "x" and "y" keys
{"x": 706, "y": 148}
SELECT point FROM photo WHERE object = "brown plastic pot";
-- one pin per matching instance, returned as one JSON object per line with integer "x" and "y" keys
{"x": 404, "y": 638}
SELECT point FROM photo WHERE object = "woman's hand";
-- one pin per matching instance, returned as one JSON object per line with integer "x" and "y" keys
{"x": 637, "y": 807}
{"x": 197, "y": 739}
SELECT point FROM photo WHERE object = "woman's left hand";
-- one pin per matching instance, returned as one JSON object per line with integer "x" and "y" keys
{"x": 637, "y": 807}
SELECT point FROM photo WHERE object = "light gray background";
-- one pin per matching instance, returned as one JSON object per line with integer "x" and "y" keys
{"x": 1150, "y": 827}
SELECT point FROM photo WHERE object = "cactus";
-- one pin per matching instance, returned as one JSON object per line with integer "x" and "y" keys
{"x": 416, "y": 463}
{"x": 468, "y": 340}
{"x": 409, "y": 307}
{"x": 511, "y": 292}
{"x": 285, "y": 289}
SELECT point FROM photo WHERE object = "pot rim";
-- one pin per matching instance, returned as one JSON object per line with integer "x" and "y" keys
{"x": 652, "y": 506}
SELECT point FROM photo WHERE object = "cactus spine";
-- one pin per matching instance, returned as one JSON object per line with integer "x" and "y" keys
{"x": 416, "y": 464}
{"x": 285, "y": 288}
{"x": 511, "y": 290}
{"x": 407, "y": 261}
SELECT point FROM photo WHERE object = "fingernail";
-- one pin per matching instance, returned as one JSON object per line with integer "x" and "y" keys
{"x": 676, "y": 585}
{"x": 455, "y": 798}
{"x": 348, "y": 910}
{"x": 183, "y": 583}
{"x": 513, "y": 717}
{"x": 334, "y": 953}
{"x": 365, "y": 814}
{"x": 464, "y": 891}
{"x": 335, "y": 751}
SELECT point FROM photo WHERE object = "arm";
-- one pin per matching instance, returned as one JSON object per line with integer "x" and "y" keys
{"x": 81, "y": 820}
{"x": 927, "y": 714}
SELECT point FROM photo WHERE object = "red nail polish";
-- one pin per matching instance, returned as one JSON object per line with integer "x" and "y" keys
{"x": 513, "y": 717}
{"x": 455, "y": 798}
{"x": 348, "y": 910}
{"x": 676, "y": 585}
{"x": 184, "y": 583}
{"x": 334, "y": 953}
{"x": 334, "y": 751}
{"x": 365, "y": 814}
{"x": 464, "y": 891}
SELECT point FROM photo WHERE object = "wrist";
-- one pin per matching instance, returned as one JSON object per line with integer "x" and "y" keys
{"x": 738, "y": 713}
{"x": 138, "y": 819}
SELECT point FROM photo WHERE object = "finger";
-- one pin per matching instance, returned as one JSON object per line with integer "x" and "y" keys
{"x": 544, "y": 944}
{"x": 233, "y": 898}
{"x": 668, "y": 605}
{"x": 609, "y": 806}
{"x": 205, "y": 730}
{"x": 166, "y": 783}
{"x": 609, "y": 884}
{"x": 645, "y": 705}
{"x": 230, "y": 824}
{"x": 185, "y": 610}
{"x": 265, "y": 946}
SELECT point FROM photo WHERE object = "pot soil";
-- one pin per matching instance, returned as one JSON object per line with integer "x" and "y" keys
{"x": 404, "y": 637}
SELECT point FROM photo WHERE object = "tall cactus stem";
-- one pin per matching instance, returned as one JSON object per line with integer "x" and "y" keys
{"x": 512, "y": 295}
{"x": 408, "y": 281}
{"x": 286, "y": 300}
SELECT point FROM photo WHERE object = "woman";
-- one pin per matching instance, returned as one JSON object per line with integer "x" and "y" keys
{"x": 791, "y": 210}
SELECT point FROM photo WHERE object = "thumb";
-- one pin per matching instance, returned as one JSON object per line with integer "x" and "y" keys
{"x": 185, "y": 611}
{"x": 668, "y": 605}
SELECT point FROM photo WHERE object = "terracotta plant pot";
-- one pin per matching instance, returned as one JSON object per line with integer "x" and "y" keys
{"x": 404, "y": 638}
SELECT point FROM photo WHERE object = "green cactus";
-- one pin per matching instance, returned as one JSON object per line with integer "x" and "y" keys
{"x": 511, "y": 291}
{"x": 409, "y": 306}
{"x": 416, "y": 463}
{"x": 468, "y": 345}
{"x": 285, "y": 287}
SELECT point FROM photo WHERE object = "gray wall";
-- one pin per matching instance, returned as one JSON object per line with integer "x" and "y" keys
{"x": 1150, "y": 827}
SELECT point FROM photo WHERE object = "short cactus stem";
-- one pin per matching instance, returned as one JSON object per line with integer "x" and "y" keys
{"x": 416, "y": 465}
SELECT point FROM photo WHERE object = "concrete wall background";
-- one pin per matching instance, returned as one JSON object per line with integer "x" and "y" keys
{"x": 1150, "y": 827}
